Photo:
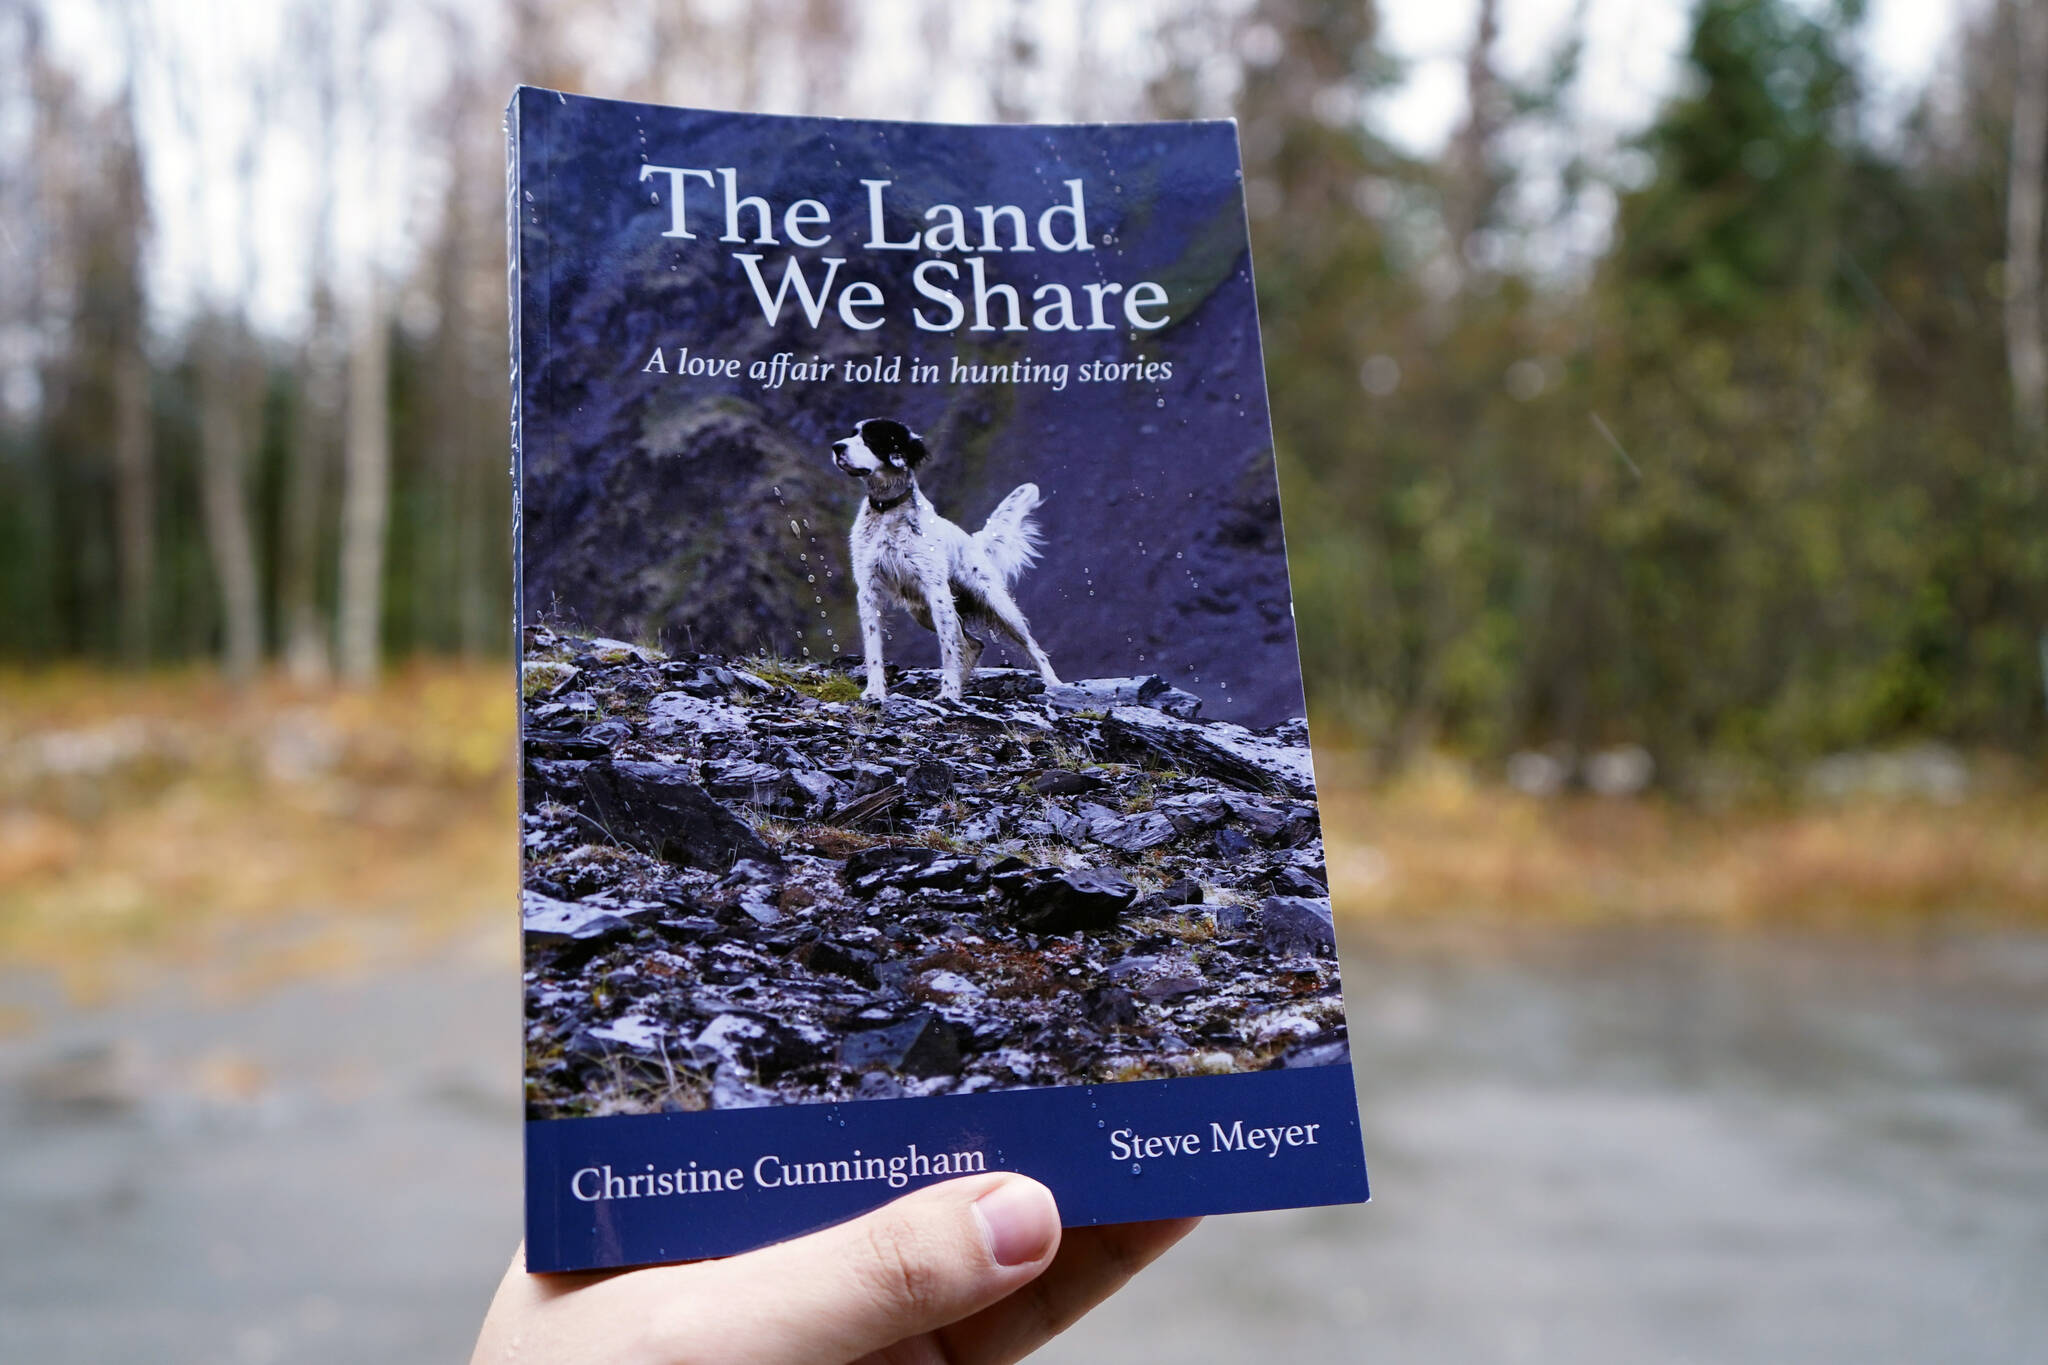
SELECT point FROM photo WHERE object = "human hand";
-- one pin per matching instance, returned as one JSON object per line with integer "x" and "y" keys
{"x": 969, "y": 1272}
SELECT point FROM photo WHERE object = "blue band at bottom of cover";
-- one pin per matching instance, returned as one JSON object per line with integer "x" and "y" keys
{"x": 639, "y": 1188}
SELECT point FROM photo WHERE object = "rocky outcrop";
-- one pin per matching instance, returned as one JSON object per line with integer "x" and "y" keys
{"x": 746, "y": 886}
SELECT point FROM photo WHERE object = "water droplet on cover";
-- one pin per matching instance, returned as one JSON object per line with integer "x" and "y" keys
{"x": 1136, "y": 1169}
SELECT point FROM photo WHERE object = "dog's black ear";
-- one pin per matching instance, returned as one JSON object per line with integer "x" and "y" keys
{"x": 913, "y": 449}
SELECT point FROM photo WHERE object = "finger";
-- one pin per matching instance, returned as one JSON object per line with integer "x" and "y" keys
{"x": 926, "y": 1260}
{"x": 1092, "y": 1264}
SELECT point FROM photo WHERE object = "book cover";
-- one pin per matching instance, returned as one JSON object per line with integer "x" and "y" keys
{"x": 915, "y": 779}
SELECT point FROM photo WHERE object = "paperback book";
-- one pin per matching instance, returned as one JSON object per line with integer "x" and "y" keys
{"x": 914, "y": 779}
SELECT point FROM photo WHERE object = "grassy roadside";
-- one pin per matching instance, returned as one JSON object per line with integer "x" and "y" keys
{"x": 173, "y": 824}
{"x": 1439, "y": 843}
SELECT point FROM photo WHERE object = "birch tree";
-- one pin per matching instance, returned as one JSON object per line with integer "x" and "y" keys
{"x": 366, "y": 443}
{"x": 226, "y": 372}
{"x": 366, "y": 488}
{"x": 308, "y": 474}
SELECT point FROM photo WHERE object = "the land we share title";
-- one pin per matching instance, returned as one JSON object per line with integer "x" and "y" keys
{"x": 914, "y": 780}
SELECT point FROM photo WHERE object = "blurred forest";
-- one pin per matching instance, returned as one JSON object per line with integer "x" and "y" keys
{"x": 1760, "y": 476}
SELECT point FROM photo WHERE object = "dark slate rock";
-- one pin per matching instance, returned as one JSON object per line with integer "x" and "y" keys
{"x": 753, "y": 872}
{"x": 1170, "y": 986}
{"x": 553, "y": 718}
{"x": 611, "y": 733}
{"x": 947, "y": 873}
{"x": 1005, "y": 684}
{"x": 1129, "y": 968}
{"x": 1297, "y": 924}
{"x": 555, "y": 779}
{"x": 1071, "y": 828}
{"x": 1109, "y": 1007}
{"x": 880, "y": 1085}
{"x": 995, "y": 684}
{"x": 755, "y": 1044}
{"x": 1327, "y": 1049}
{"x": 1064, "y": 782}
{"x": 566, "y": 746}
{"x": 657, "y": 809}
{"x": 979, "y": 829}
{"x": 901, "y": 710}
{"x": 1192, "y": 812}
{"x": 922, "y": 1045}
{"x": 760, "y": 905}
{"x": 868, "y": 870}
{"x": 855, "y": 964}
{"x": 1229, "y": 753}
{"x": 822, "y": 792}
{"x": 731, "y": 1089}
{"x": 1105, "y": 694}
{"x": 1233, "y": 919}
{"x": 681, "y": 712}
{"x": 547, "y": 920}
{"x": 1186, "y": 891}
{"x": 1230, "y": 845}
{"x": 1132, "y": 833}
{"x": 689, "y": 928}
{"x": 1055, "y": 901}
{"x": 930, "y": 779}
{"x": 1155, "y": 977}
{"x": 741, "y": 779}
{"x": 1293, "y": 881}
{"x": 865, "y": 778}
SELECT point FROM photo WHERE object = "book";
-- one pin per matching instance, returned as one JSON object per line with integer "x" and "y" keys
{"x": 915, "y": 777}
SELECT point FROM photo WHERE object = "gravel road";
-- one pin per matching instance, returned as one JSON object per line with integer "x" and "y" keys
{"x": 1616, "y": 1145}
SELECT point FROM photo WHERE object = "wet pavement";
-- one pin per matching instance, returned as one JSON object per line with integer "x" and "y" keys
{"x": 1615, "y": 1145}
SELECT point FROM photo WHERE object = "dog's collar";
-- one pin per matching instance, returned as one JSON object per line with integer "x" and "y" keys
{"x": 880, "y": 505}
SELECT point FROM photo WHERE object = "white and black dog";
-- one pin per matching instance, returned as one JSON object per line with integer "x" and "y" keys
{"x": 905, "y": 552}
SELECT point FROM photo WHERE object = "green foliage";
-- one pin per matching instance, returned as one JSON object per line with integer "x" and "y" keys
{"x": 813, "y": 681}
{"x": 1748, "y": 485}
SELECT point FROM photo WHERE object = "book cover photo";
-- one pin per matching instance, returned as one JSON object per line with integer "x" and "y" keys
{"x": 915, "y": 776}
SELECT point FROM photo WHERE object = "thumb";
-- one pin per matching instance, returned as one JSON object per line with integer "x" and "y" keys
{"x": 910, "y": 1267}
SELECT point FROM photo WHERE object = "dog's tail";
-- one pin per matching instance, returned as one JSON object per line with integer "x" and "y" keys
{"x": 1010, "y": 539}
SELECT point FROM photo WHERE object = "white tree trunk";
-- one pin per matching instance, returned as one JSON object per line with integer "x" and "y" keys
{"x": 2024, "y": 343}
{"x": 366, "y": 493}
{"x": 223, "y": 443}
